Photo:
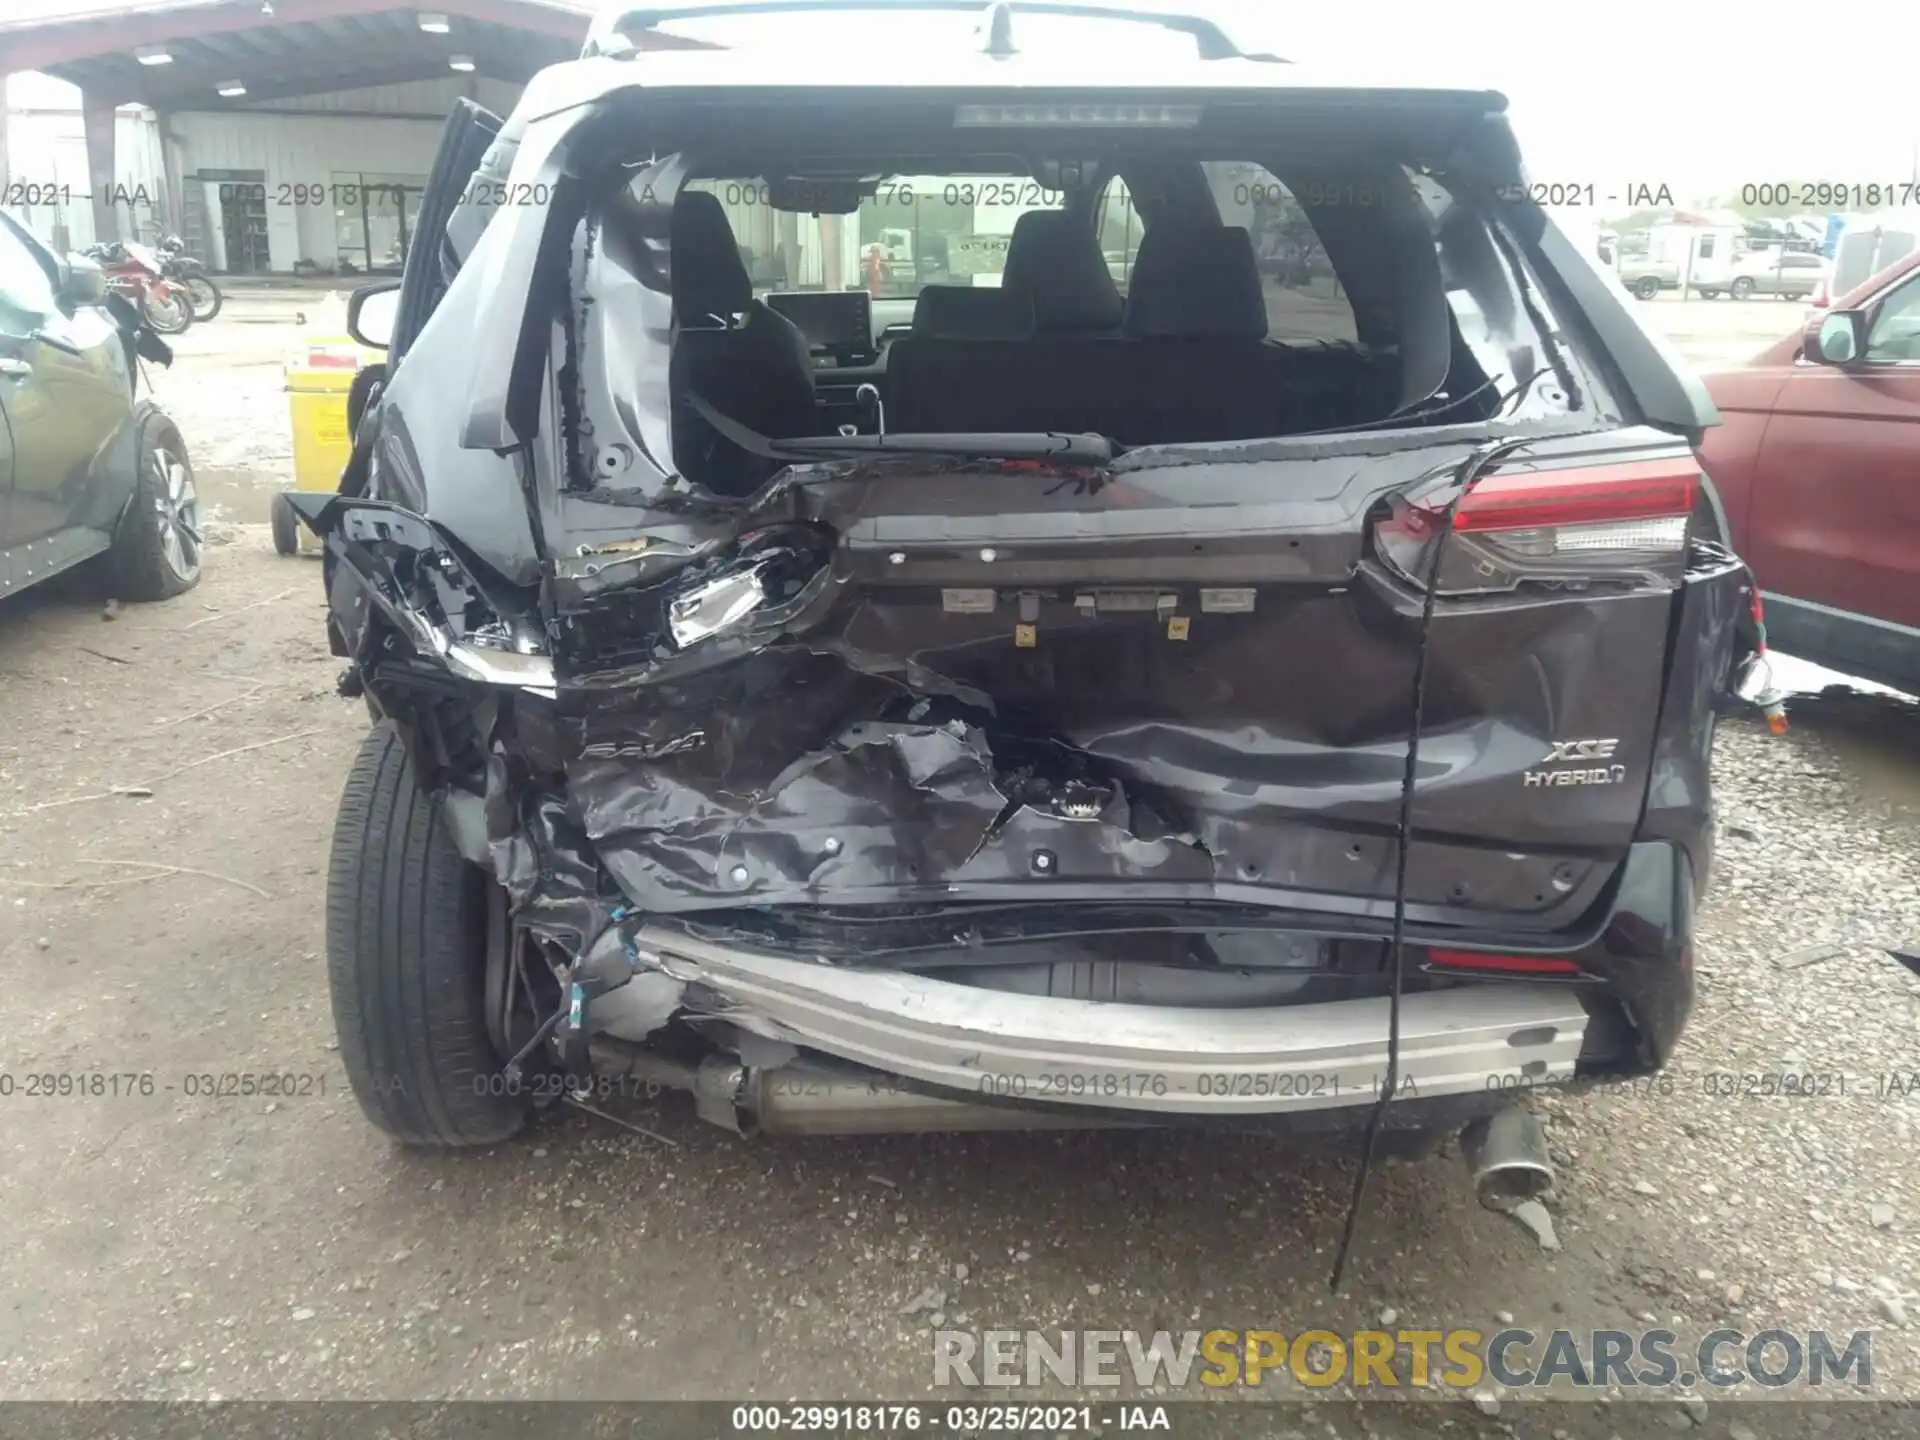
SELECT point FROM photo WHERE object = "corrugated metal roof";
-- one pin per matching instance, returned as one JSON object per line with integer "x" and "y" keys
{"x": 298, "y": 47}
{"x": 29, "y": 12}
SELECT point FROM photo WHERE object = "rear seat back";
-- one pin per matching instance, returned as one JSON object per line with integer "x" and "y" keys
{"x": 972, "y": 312}
{"x": 946, "y": 374}
{"x": 1054, "y": 260}
{"x": 1192, "y": 362}
{"x": 1196, "y": 282}
{"x": 1196, "y": 307}
{"x": 1199, "y": 326}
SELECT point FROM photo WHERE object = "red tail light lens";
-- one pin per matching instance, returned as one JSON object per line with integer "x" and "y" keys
{"x": 1645, "y": 490}
{"x": 1571, "y": 527}
{"x": 1492, "y": 964}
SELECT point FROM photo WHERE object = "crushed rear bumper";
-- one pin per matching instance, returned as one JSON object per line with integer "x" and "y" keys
{"x": 823, "y": 1043}
{"x": 982, "y": 1044}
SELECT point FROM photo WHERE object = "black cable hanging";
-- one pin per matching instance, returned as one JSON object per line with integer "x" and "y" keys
{"x": 1465, "y": 478}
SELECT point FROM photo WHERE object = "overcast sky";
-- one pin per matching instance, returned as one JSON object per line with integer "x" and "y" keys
{"x": 1693, "y": 94}
{"x": 1698, "y": 96}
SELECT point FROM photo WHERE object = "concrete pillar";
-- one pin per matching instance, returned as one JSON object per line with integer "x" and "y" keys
{"x": 96, "y": 117}
{"x": 172, "y": 200}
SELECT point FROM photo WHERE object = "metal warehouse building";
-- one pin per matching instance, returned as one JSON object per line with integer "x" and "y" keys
{"x": 275, "y": 136}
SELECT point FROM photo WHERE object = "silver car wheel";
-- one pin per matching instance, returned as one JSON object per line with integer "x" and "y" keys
{"x": 177, "y": 513}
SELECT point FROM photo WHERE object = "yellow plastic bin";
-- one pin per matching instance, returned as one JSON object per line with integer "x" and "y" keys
{"x": 317, "y": 384}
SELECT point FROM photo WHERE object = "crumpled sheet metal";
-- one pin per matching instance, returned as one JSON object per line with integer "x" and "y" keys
{"x": 802, "y": 777}
{"x": 886, "y": 811}
{"x": 884, "y": 807}
{"x": 546, "y": 865}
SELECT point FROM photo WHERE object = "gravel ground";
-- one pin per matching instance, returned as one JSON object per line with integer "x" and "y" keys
{"x": 1785, "y": 1208}
{"x": 170, "y": 1246}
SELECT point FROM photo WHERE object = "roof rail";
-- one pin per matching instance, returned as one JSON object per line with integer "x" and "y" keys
{"x": 612, "y": 31}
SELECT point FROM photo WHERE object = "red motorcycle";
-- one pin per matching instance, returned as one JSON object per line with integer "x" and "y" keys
{"x": 135, "y": 271}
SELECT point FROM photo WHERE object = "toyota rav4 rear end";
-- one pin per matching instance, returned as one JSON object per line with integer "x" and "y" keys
{"x": 892, "y": 593}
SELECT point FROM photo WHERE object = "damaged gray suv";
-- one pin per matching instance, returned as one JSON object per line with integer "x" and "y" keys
{"x": 970, "y": 592}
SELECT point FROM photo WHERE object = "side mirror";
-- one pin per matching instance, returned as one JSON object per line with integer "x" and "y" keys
{"x": 371, "y": 311}
{"x": 1837, "y": 338}
{"x": 79, "y": 281}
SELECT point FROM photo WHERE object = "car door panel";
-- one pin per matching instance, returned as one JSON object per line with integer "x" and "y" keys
{"x": 1730, "y": 451}
{"x": 69, "y": 416}
{"x": 1836, "y": 499}
{"x": 66, "y": 385}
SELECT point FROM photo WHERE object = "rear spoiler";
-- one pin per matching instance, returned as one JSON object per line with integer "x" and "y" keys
{"x": 612, "y": 34}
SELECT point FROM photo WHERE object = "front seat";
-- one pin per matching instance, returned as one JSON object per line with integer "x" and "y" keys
{"x": 741, "y": 358}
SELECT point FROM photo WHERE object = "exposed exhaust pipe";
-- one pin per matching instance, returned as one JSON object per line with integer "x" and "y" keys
{"x": 1507, "y": 1153}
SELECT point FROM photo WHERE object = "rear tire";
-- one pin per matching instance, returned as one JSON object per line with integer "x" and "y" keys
{"x": 1743, "y": 288}
{"x": 406, "y": 960}
{"x": 1646, "y": 287}
{"x": 156, "y": 549}
{"x": 286, "y": 525}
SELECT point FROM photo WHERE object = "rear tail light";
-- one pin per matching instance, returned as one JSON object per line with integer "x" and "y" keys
{"x": 1637, "y": 491}
{"x": 1570, "y": 527}
{"x": 1488, "y": 963}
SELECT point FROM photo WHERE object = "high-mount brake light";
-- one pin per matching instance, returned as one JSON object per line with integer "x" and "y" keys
{"x": 1079, "y": 116}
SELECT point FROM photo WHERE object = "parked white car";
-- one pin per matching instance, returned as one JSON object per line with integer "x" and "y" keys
{"x": 1789, "y": 274}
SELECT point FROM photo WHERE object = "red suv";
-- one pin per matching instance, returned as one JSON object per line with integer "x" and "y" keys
{"x": 1817, "y": 474}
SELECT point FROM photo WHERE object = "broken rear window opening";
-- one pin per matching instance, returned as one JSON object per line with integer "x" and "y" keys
{"x": 1150, "y": 293}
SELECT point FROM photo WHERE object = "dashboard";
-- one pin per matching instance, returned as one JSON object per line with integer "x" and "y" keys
{"x": 838, "y": 324}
